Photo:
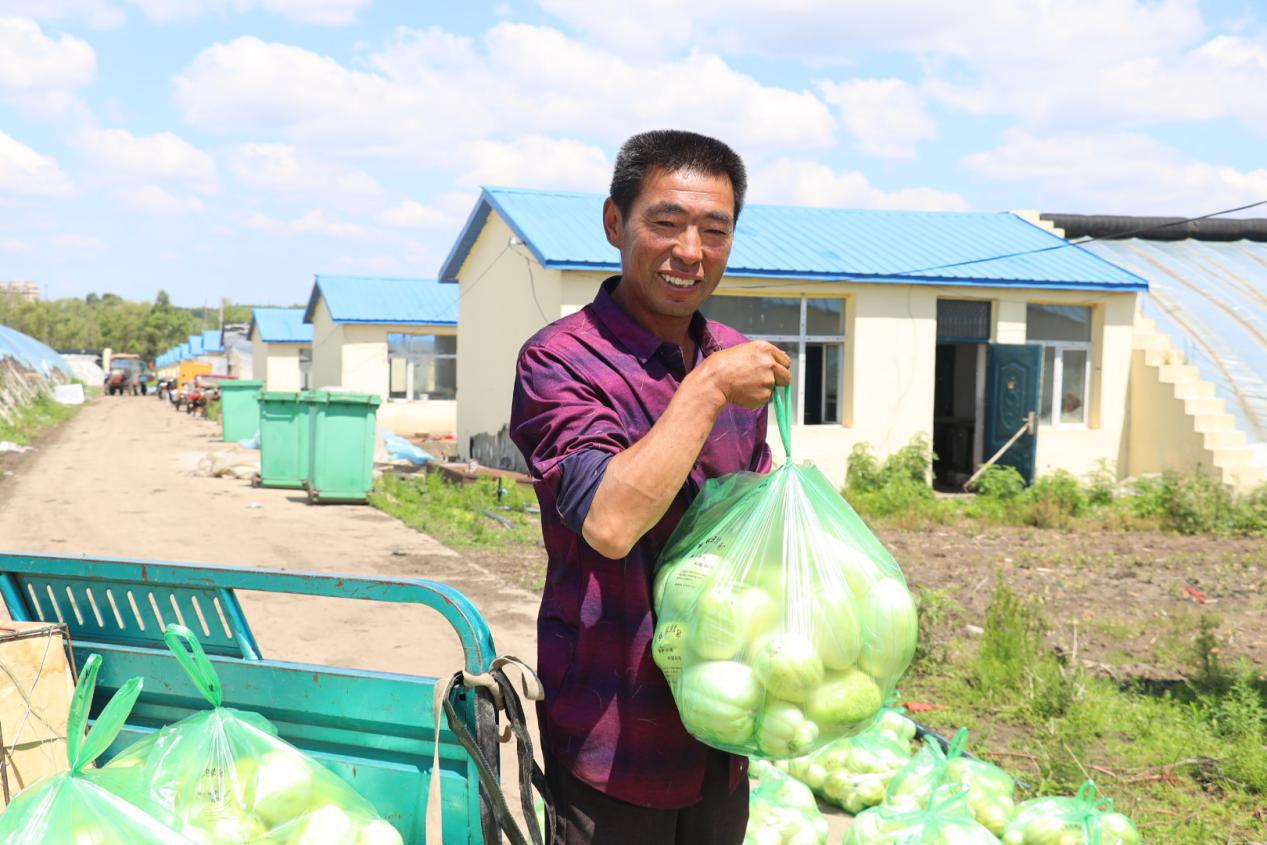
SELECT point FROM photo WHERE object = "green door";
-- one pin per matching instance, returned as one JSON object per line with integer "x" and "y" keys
{"x": 1013, "y": 377}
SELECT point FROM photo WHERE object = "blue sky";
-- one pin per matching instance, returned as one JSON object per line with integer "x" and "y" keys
{"x": 235, "y": 147}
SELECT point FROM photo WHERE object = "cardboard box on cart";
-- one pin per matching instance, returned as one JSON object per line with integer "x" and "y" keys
{"x": 37, "y": 681}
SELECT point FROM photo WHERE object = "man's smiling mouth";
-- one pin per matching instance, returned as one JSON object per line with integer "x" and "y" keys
{"x": 679, "y": 281}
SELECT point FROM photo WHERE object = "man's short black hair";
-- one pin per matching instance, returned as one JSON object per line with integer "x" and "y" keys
{"x": 674, "y": 151}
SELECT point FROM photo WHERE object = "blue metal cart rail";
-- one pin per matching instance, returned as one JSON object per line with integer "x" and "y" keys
{"x": 375, "y": 729}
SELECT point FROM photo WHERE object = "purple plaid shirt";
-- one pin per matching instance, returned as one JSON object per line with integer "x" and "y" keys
{"x": 587, "y": 387}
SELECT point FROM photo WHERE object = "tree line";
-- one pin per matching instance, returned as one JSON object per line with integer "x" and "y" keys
{"x": 97, "y": 321}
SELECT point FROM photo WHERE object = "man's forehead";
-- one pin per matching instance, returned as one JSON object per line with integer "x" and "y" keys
{"x": 684, "y": 191}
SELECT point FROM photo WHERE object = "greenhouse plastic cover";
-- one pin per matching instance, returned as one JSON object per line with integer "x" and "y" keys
{"x": 31, "y": 353}
{"x": 1211, "y": 298}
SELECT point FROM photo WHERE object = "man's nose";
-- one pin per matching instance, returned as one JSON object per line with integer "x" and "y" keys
{"x": 689, "y": 247}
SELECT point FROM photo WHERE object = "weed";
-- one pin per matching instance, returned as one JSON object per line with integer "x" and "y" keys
{"x": 458, "y": 515}
{"x": 936, "y": 610}
{"x": 999, "y": 482}
{"x": 34, "y": 418}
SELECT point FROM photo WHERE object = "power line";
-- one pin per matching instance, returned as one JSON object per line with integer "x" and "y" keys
{"x": 1066, "y": 244}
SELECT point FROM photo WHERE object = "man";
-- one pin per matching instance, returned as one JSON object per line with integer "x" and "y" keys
{"x": 622, "y": 411}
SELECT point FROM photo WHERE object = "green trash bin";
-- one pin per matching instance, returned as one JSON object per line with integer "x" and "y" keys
{"x": 284, "y": 439}
{"x": 240, "y": 409}
{"x": 341, "y": 438}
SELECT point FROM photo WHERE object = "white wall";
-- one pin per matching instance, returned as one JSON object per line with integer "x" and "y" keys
{"x": 498, "y": 314}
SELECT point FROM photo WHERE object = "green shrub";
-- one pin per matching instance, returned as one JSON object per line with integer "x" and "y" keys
{"x": 1055, "y": 501}
{"x": 864, "y": 471}
{"x": 999, "y": 482}
{"x": 1196, "y": 504}
{"x": 914, "y": 461}
{"x": 1102, "y": 484}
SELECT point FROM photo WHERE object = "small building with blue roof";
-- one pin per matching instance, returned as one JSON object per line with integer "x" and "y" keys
{"x": 396, "y": 338}
{"x": 281, "y": 348}
{"x": 949, "y": 326}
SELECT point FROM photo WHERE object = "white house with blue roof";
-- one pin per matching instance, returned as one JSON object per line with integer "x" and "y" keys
{"x": 281, "y": 348}
{"x": 952, "y": 326}
{"x": 396, "y": 338}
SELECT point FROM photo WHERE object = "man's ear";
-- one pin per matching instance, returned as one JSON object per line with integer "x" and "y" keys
{"x": 613, "y": 223}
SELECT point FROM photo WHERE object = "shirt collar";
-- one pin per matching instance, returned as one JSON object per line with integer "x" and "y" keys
{"x": 635, "y": 337}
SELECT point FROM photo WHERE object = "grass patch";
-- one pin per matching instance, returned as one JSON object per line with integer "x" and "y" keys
{"x": 459, "y": 515}
{"x": 895, "y": 494}
{"x": 35, "y": 418}
{"x": 1187, "y": 760}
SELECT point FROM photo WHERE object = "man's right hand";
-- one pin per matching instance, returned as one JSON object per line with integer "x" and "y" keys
{"x": 745, "y": 375}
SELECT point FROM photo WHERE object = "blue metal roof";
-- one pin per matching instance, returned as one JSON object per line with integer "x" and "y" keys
{"x": 1211, "y": 298}
{"x": 394, "y": 301}
{"x": 211, "y": 341}
{"x": 564, "y": 231}
{"x": 280, "y": 325}
{"x": 186, "y": 352}
{"x": 32, "y": 354}
{"x": 195, "y": 345}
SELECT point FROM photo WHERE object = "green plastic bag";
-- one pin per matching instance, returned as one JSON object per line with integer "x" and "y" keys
{"x": 991, "y": 792}
{"x": 782, "y": 811}
{"x": 229, "y": 780}
{"x": 893, "y": 719}
{"x": 782, "y": 622}
{"x": 947, "y": 821}
{"x": 853, "y": 772}
{"x": 1082, "y": 820}
{"x": 81, "y": 807}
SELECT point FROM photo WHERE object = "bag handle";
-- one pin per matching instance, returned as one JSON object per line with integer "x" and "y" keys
{"x": 189, "y": 654}
{"x": 957, "y": 744}
{"x": 783, "y": 416}
{"x": 81, "y": 751}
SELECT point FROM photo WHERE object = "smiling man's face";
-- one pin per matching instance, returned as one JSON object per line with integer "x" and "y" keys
{"x": 674, "y": 245}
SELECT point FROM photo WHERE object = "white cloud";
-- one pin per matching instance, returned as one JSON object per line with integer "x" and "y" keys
{"x": 164, "y": 156}
{"x": 369, "y": 263}
{"x": 77, "y": 243}
{"x": 1055, "y": 66}
{"x": 24, "y": 171}
{"x": 1115, "y": 172}
{"x": 412, "y": 214}
{"x": 886, "y": 116}
{"x": 319, "y": 12}
{"x": 13, "y": 245}
{"x": 32, "y": 61}
{"x": 428, "y": 93}
{"x": 539, "y": 162}
{"x": 151, "y": 199}
{"x": 314, "y": 222}
{"x": 99, "y": 14}
{"x": 280, "y": 168}
{"x": 801, "y": 182}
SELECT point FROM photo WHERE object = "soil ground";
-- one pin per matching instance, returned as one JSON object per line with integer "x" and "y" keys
{"x": 120, "y": 479}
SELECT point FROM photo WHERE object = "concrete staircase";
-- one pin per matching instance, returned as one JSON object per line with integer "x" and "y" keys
{"x": 1177, "y": 423}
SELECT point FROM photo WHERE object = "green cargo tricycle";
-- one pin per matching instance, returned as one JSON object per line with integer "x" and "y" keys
{"x": 377, "y": 730}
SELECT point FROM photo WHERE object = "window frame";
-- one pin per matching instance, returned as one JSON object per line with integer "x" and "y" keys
{"x": 411, "y": 360}
{"x": 802, "y": 340}
{"x": 1058, "y": 370}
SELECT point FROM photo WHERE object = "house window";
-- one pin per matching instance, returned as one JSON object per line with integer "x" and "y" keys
{"x": 305, "y": 368}
{"x": 811, "y": 330}
{"x": 422, "y": 366}
{"x": 1064, "y": 333}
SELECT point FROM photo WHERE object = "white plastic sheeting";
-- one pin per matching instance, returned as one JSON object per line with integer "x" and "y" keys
{"x": 32, "y": 354}
{"x": 1211, "y": 298}
{"x": 27, "y": 368}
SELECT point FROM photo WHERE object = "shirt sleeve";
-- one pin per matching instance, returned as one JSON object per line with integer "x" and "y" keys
{"x": 583, "y": 471}
{"x": 557, "y": 413}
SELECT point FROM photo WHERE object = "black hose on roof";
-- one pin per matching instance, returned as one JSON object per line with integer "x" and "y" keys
{"x": 1077, "y": 226}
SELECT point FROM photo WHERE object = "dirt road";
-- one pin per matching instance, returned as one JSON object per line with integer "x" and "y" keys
{"x": 119, "y": 480}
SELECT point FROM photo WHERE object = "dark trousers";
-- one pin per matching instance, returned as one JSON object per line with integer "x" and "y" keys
{"x": 585, "y": 816}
